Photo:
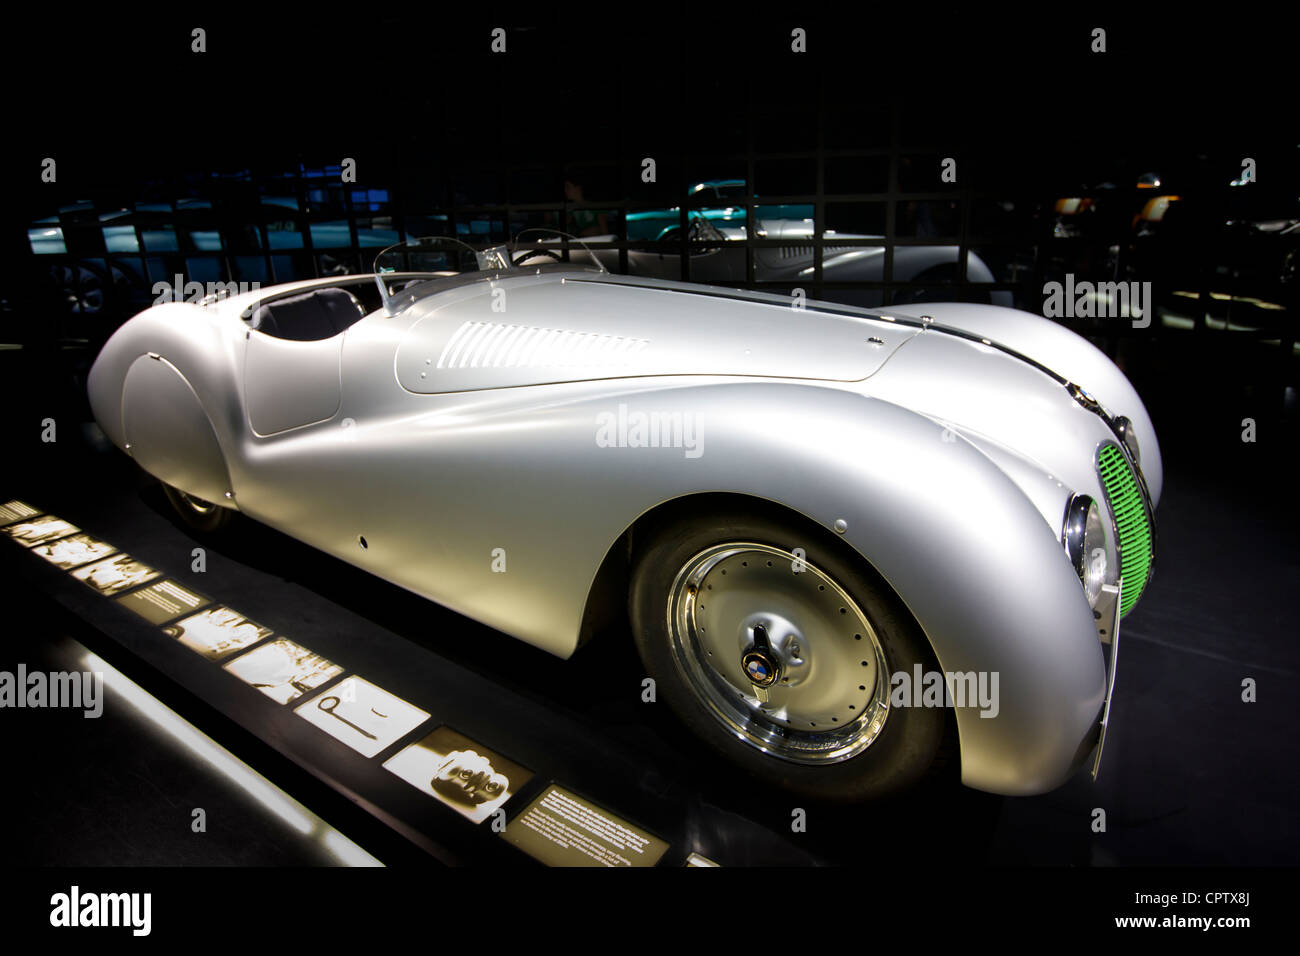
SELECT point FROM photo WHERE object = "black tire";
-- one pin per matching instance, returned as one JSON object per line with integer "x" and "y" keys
{"x": 914, "y": 745}
{"x": 201, "y": 516}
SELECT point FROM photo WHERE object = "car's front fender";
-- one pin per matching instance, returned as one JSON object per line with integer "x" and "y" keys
{"x": 957, "y": 539}
{"x": 503, "y": 504}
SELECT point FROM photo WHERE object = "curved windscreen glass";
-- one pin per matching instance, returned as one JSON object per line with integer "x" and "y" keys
{"x": 429, "y": 254}
{"x": 428, "y": 264}
{"x": 539, "y": 247}
{"x": 446, "y": 255}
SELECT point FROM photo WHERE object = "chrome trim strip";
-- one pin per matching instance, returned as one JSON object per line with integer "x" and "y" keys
{"x": 1110, "y": 679}
{"x": 923, "y": 323}
{"x": 1124, "y": 428}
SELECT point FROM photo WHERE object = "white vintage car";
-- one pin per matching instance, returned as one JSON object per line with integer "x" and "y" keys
{"x": 853, "y": 547}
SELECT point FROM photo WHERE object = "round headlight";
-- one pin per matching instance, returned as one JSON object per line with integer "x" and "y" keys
{"x": 1129, "y": 436}
{"x": 1085, "y": 544}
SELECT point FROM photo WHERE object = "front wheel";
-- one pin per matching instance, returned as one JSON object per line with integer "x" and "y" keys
{"x": 781, "y": 660}
{"x": 202, "y": 516}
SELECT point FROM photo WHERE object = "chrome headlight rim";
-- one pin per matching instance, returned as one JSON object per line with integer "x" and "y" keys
{"x": 1082, "y": 534}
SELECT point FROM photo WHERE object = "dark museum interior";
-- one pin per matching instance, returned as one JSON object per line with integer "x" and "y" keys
{"x": 987, "y": 163}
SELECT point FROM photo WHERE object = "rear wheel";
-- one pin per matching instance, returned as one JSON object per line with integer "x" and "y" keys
{"x": 202, "y": 516}
{"x": 782, "y": 661}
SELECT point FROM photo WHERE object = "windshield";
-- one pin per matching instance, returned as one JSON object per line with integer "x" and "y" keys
{"x": 445, "y": 255}
{"x": 434, "y": 254}
{"x": 538, "y": 247}
{"x": 421, "y": 266}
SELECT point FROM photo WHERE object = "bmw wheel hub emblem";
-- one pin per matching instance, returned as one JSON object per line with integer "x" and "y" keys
{"x": 759, "y": 668}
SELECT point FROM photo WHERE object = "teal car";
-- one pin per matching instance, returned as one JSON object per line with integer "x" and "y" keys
{"x": 719, "y": 201}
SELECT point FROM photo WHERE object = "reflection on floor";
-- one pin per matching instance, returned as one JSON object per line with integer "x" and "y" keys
{"x": 138, "y": 785}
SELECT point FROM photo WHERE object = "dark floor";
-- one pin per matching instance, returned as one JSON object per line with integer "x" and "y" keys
{"x": 122, "y": 789}
{"x": 1192, "y": 774}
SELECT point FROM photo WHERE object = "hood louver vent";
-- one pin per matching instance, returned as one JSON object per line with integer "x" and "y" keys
{"x": 493, "y": 345}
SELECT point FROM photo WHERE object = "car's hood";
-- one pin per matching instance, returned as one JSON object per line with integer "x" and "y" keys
{"x": 531, "y": 330}
{"x": 944, "y": 380}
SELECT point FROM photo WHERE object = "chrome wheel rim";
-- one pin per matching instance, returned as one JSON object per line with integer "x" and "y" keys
{"x": 749, "y": 621}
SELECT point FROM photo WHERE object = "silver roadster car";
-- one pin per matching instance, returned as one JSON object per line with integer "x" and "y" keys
{"x": 854, "y": 547}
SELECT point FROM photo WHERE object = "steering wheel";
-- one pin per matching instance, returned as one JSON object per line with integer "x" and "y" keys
{"x": 524, "y": 257}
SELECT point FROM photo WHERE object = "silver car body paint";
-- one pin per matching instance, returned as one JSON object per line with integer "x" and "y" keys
{"x": 950, "y": 460}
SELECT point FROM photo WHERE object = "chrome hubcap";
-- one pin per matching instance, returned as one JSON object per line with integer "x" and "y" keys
{"x": 779, "y": 653}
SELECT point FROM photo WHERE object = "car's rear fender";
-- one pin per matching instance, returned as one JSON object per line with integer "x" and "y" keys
{"x": 181, "y": 414}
